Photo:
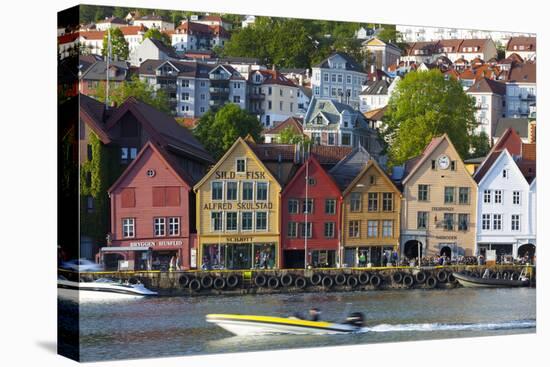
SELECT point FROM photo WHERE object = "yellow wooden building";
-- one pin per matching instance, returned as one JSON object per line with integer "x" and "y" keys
{"x": 371, "y": 217}
{"x": 238, "y": 213}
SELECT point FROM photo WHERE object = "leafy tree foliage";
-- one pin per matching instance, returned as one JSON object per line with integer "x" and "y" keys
{"x": 135, "y": 88}
{"x": 425, "y": 105}
{"x": 289, "y": 136}
{"x": 119, "y": 46}
{"x": 479, "y": 145}
{"x": 218, "y": 129}
{"x": 156, "y": 34}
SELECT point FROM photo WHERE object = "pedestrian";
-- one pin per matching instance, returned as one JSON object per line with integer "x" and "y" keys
{"x": 362, "y": 259}
{"x": 385, "y": 260}
{"x": 395, "y": 257}
{"x": 178, "y": 262}
{"x": 172, "y": 264}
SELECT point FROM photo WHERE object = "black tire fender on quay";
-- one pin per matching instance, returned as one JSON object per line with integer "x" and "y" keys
{"x": 273, "y": 282}
{"x": 300, "y": 282}
{"x": 327, "y": 281}
{"x": 184, "y": 281}
{"x": 420, "y": 277}
{"x": 352, "y": 281}
{"x": 408, "y": 280}
{"x": 207, "y": 281}
{"x": 442, "y": 276}
{"x": 133, "y": 280}
{"x": 451, "y": 278}
{"x": 514, "y": 275}
{"x": 505, "y": 274}
{"x": 286, "y": 280}
{"x": 316, "y": 279}
{"x": 340, "y": 279}
{"x": 232, "y": 281}
{"x": 397, "y": 277}
{"x": 363, "y": 278}
{"x": 375, "y": 280}
{"x": 260, "y": 280}
{"x": 494, "y": 275}
{"x": 195, "y": 284}
{"x": 219, "y": 283}
{"x": 431, "y": 281}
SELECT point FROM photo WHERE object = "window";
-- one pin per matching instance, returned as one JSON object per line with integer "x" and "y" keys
{"x": 387, "y": 201}
{"x": 355, "y": 201}
{"x": 123, "y": 155}
{"x": 387, "y": 228}
{"x": 449, "y": 195}
{"x": 231, "y": 190}
{"x": 203, "y": 97}
{"x": 269, "y": 91}
{"x": 448, "y": 224}
{"x": 422, "y": 192}
{"x": 217, "y": 190}
{"x": 269, "y": 105}
{"x": 463, "y": 222}
{"x": 340, "y": 78}
{"x": 231, "y": 221}
{"x": 486, "y": 196}
{"x": 486, "y": 221}
{"x": 185, "y": 96}
{"x": 246, "y": 221}
{"x": 372, "y": 180}
{"x": 348, "y": 79}
{"x": 498, "y": 196}
{"x": 174, "y": 226}
{"x": 307, "y": 206}
{"x": 515, "y": 222}
{"x": 293, "y": 206}
{"x": 306, "y": 228}
{"x": 422, "y": 220}
{"x": 89, "y": 204}
{"x": 128, "y": 227}
{"x": 516, "y": 197}
{"x": 311, "y": 181}
{"x": 216, "y": 221}
{"x": 330, "y": 206}
{"x": 433, "y": 164}
{"x": 504, "y": 173}
{"x": 160, "y": 227}
{"x": 90, "y": 152}
{"x": 453, "y": 165}
{"x": 185, "y": 83}
{"x": 248, "y": 190}
{"x": 373, "y": 202}
{"x": 354, "y": 228}
{"x": 372, "y": 228}
{"x": 281, "y": 92}
{"x": 261, "y": 191}
{"x": 236, "y": 99}
{"x": 464, "y": 195}
{"x": 261, "y": 221}
{"x": 325, "y": 77}
{"x": 333, "y": 78}
{"x": 291, "y": 107}
{"x": 329, "y": 229}
{"x": 331, "y": 138}
{"x": 241, "y": 165}
{"x": 497, "y": 222}
{"x": 346, "y": 139}
{"x": 292, "y": 230}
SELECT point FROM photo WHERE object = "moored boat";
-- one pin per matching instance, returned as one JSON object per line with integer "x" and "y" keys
{"x": 477, "y": 282}
{"x": 101, "y": 289}
{"x": 259, "y": 325}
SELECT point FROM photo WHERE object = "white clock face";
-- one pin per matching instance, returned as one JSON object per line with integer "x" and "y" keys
{"x": 443, "y": 162}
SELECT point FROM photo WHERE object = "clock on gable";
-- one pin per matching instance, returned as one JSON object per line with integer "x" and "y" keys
{"x": 443, "y": 161}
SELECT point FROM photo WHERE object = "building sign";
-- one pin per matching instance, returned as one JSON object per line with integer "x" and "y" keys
{"x": 157, "y": 243}
{"x": 442, "y": 209}
{"x": 239, "y": 239}
{"x": 248, "y": 175}
{"x": 444, "y": 237}
{"x": 243, "y": 206}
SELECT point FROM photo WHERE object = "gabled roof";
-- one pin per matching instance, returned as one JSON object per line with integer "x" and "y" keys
{"x": 510, "y": 141}
{"x": 92, "y": 112}
{"x": 520, "y": 125}
{"x": 523, "y": 73}
{"x": 185, "y": 68}
{"x": 499, "y": 156}
{"x": 133, "y": 30}
{"x": 329, "y": 154}
{"x": 168, "y": 50}
{"x": 311, "y": 160}
{"x": 351, "y": 64}
{"x": 271, "y": 77}
{"x": 169, "y": 160}
{"x": 371, "y": 163}
{"x": 274, "y": 152}
{"x": 345, "y": 171}
{"x": 376, "y": 87}
{"x": 376, "y": 114}
{"x": 529, "y": 43}
{"x": 239, "y": 141}
{"x": 92, "y": 35}
{"x": 485, "y": 85}
{"x": 331, "y": 110}
{"x": 293, "y": 123}
{"x": 188, "y": 27}
{"x": 98, "y": 71}
{"x": 112, "y": 20}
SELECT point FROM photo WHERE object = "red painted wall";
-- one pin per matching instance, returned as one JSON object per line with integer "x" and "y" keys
{"x": 324, "y": 188}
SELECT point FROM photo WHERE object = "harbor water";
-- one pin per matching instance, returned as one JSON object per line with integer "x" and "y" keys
{"x": 175, "y": 326}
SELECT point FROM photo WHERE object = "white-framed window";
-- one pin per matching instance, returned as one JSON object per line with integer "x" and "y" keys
{"x": 236, "y": 99}
{"x": 292, "y": 230}
{"x": 325, "y": 77}
{"x": 248, "y": 190}
{"x": 185, "y": 96}
{"x": 498, "y": 196}
{"x": 307, "y": 206}
{"x": 372, "y": 228}
{"x": 329, "y": 229}
{"x": 331, "y": 138}
{"x": 486, "y": 222}
{"x": 216, "y": 221}
{"x": 174, "y": 226}
{"x": 128, "y": 227}
{"x": 387, "y": 228}
{"x": 306, "y": 229}
{"x": 516, "y": 198}
{"x": 293, "y": 206}
{"x": 231, "y": 190}
{"x": 217, "y": 190}
{"x": 246, "y": 221}
{"x": 160, "y": 227}
{"x": 497, "y": 222}
{"x": 486, "y": 196}
{"x": 515, "y": 222}
{"x": 185, "y": 83}
{"x": 504, "y": 173}
{"x": 261, "y": 191}
{"x": 240, "y": 165}
{"x": 133, "y": 153}
{"x": 261, "y": 221}
{"x": 231, "y": 222}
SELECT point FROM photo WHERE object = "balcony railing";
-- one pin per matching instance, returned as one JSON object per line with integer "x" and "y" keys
{"x": 218, "y": 77}
{"x": 218, "y": 90}
{"x": 527, "y": 97}
{"x": 257, "y": 96}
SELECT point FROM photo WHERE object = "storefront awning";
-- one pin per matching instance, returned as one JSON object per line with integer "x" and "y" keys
{"x": 122, "y": 248}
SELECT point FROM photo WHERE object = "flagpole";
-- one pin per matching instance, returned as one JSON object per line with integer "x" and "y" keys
{"x": 307, "y": 208}
{"x": 108, "y": 65}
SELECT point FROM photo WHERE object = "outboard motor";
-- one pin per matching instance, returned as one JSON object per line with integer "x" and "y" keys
{"x": 356, "y": 319}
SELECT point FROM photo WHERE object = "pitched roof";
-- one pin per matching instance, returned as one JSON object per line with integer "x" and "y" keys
{"x": 485, "y": 85}
{"x": 477, "y": 45}
{"x": 510, "y": 141}
{"x": 274, "y": 152}
{"x": 184, "y": 68}
{"x": 371, "y": 163}
{"x": 292, "y": 122}
{"x": 345, "y": 171}
{"x": 311, "y": 160}
{"x": 529, "y": 151}
{"x": 529, "y": 44}
{"x": 168, "y": 50}
{"x": 98, "y": 71}
{"x": 329, "y": 154}
{"x": 188, "y": 27}
{"x": 92, "y": 112}
{"x": 273, "y": 77}
{"x": 416, "y": 162}
{"x": 149, "y": 17}
{"x": 133, "y": 30}
{"x": 112, "y": 20}
{"x": 330, "y": 109}
{"x": 523, "y": 73}
{"x": 351, "y": 64}
{"x": 376, "y": 114}
{"x": 92, "y": 35}
{"x": 376, "y": 87}
{"x": 520, "y": 125}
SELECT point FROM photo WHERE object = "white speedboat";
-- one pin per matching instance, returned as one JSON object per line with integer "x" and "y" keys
{"x": 242, "y": 325}
{"x": 101, "y": 289}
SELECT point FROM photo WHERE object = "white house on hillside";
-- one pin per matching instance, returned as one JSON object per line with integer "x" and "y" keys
{"x": 506, "y": 214}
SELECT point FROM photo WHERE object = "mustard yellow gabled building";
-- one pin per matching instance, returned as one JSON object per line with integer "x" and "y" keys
{"x": 238, "y": 213}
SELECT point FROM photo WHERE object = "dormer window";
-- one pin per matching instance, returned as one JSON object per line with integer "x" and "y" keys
{"x": 319, "y": 120}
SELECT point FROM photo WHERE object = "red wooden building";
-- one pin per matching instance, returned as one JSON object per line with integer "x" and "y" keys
{"x": 152, "y": 213}
{"x": 322, "y": 228}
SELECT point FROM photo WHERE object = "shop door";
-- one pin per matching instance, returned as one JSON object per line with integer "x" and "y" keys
{"x": 349, "y": 257}
{"x": 294, "y": 259}
{"x": 239, "y": 256}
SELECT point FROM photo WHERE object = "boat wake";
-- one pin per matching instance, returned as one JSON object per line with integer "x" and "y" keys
{"x": 506, "y": 325}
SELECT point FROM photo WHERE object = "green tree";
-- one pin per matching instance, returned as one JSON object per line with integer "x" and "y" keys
{"x": 479, "y": 145}
{"x": 218, "y": 129}
{"x": 119, "y": 46}
{"x": 156, "y": 34}
{"x": 422, "y": 106}
{"x": 134, "y": 88}
{"x": 289, "y": 136}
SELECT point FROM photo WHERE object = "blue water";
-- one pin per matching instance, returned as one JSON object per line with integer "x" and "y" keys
{"x": 176, "y": 326}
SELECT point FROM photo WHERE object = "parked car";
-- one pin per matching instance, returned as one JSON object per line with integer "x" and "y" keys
{"x": 82, "y": 265}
